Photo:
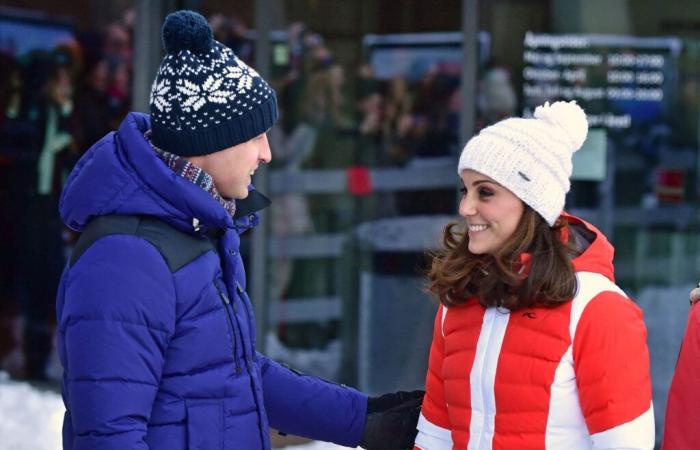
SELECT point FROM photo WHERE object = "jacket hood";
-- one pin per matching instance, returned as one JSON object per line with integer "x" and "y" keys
{"x": 121, "y": 174}
{"x": 596, "y": 252}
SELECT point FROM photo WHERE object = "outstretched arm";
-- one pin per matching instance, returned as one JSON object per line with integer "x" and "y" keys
{"x": 307, "y": 406}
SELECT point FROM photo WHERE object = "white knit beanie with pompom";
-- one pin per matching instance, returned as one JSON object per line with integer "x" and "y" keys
{"x": 531, "y": 157}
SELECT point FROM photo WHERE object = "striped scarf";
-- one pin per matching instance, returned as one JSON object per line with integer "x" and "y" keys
{"x": 190, "y": 172}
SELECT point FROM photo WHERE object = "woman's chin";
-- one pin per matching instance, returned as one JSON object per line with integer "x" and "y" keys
{"x": 479, "y": 248}
{"x": 475, "y": 249}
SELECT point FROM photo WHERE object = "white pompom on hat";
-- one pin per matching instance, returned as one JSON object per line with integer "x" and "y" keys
{"x": 531, "y": 157}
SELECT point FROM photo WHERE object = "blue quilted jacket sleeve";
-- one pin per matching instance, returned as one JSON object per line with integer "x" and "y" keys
{"x": 307, "y": 406}
{"x": 117, "y": 318}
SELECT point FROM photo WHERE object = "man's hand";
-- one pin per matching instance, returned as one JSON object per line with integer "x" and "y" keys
{"x": 391, "y": 421}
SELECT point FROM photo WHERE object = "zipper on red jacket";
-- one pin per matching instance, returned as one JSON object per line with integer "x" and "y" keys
{"x": 227, "y": 302}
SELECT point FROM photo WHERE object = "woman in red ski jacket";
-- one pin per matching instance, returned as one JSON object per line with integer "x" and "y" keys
{"x": 535, "y": 346}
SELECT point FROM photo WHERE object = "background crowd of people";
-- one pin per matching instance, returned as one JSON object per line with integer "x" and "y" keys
{"x": 56, "y": 102}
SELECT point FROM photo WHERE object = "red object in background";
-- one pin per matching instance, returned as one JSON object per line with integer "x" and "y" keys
{"x": 359, "y": 181}
{"x": 683, "y": 406}
{"x": 670, "y": 185}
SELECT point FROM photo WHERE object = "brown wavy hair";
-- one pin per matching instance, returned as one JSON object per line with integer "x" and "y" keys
{"x": 456, "y": 274}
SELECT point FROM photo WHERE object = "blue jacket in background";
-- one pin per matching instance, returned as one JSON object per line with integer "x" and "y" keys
{"x": 156, "y": 359}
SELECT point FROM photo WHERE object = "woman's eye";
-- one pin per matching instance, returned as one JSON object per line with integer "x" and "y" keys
{"x": 485, "y": 193}
{"x": 463, "y": 191}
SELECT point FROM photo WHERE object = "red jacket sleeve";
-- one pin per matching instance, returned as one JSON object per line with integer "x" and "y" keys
{"x": 611, "y": 361}
{"x": 683, "y": 407}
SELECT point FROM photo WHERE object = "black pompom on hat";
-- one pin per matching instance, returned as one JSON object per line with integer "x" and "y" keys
{"x": 186, "y": 30}
{"x": 204, "y": 99}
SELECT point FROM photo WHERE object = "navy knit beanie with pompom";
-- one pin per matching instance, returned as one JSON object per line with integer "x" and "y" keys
{"x": 204, "y": 99}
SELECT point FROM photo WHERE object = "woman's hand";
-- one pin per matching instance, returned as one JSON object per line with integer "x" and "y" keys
{"x": 695, "y": 295}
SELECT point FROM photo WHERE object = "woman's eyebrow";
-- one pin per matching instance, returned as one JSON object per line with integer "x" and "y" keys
{"x": 478, "y": 182}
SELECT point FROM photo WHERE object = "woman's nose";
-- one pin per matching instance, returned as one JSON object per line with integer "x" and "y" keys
{"x": 467, "y": 206}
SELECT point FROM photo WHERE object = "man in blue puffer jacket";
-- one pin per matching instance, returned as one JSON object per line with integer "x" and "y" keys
{"x": 156, "y": 331}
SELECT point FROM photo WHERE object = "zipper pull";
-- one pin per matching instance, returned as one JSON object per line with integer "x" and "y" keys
{"x": 222, "y": 294}
{"x": 238, "y": 370}
{"x": 224, "y": 297}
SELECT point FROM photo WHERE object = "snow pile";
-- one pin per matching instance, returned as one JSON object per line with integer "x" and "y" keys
{"x": 30, "y": 419}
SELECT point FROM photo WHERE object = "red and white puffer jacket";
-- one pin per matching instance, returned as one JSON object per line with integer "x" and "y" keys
{"x": 572, "y": 377}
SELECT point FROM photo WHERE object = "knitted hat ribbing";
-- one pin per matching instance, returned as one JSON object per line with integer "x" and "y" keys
{"x": 531, "y": 157}
{"x": 204, "y": 99}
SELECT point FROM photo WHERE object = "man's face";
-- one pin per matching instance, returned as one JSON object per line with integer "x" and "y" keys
{"x": 232, "y": 168}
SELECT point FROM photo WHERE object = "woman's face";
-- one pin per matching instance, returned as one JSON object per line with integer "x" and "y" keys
{"x": 492, "y": 212}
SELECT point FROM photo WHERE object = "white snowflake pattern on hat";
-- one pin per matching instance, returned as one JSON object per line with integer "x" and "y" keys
{"x": 202, "y": 85}
{"x": 243, "y": 74}
{"x": 159, "y": 95}
{"x": 197, "y": 96}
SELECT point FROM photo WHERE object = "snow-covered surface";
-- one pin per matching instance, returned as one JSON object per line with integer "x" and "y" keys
{"x": 31, "y": 419}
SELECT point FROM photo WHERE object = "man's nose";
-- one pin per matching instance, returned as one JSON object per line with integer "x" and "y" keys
{"x": 265, "y": 152}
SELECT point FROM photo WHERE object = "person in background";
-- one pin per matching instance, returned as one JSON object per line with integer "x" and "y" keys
{"x": 535, "y": 346}
{"x": 497, "y": 99}
{"x": 10, "y": 336}
{"x": 42, "y": 252}
{"x": 92, "y": 103}
{"x": 156, "y": 331}
{"x": 683, "y": 406}
{"x": 37, "y": 135}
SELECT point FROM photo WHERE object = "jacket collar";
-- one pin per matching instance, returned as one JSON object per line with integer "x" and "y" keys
{"x": 594, "y": 251}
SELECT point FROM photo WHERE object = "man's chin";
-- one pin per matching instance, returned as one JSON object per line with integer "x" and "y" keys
{"x": 241, "y": 195}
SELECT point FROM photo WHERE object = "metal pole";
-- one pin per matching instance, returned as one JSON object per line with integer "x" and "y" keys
{"x": 470, "y": 66}
{"x": 259, "y": 244}
{"x": 147, "y": 50}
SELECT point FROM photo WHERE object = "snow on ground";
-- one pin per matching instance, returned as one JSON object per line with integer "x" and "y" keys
{"x": 31, "y": 419}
